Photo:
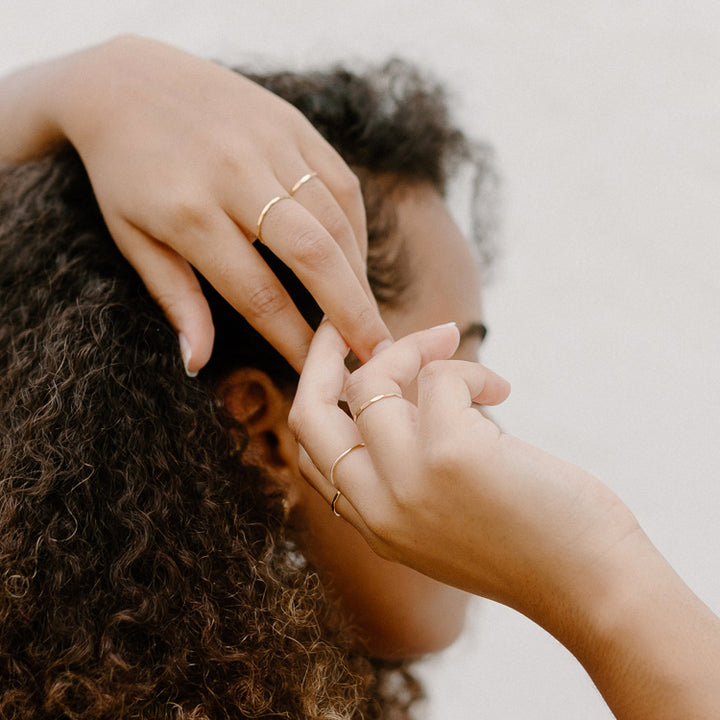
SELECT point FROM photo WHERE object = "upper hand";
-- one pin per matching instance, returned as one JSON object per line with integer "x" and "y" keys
{"x": 183, "y": 155}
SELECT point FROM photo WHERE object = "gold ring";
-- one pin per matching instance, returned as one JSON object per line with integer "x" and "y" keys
{"x": 342, "y": 455}
{"x": 302, "y": 181}
{"x": 265, "y": 211}
{"x": 333, "y": 502}
{"x": 373, "y": 400}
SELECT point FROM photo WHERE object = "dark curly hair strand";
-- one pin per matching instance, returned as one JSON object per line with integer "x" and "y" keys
{"x": 145, "y": 568}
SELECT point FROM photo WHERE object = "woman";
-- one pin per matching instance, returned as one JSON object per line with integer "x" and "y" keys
{"x": 430, "y": 483}
{"x": 162, "y": 555}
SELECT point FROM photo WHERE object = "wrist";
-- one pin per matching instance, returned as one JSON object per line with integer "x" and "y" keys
{"x": 649, "y": 644}
{"x": 27, "y": 116}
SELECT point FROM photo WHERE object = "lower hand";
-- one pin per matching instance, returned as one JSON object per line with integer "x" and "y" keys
{"x": 437, "y": 485}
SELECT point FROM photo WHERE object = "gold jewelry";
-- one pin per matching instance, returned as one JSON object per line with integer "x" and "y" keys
{"x": 342, "y": 455}
{"x": 265, "y": 211}
{"x": 373, "y": 400}
{"x": 338, "y": 494}
{"x": 302, "y": 181}
{"x": 333, "y": 502}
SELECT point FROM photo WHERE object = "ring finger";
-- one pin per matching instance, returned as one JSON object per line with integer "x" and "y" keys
{"x": 315, "y": 197}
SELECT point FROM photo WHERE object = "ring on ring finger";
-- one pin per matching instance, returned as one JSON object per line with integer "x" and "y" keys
{"x": 340, "y": 457}
{"x": 305, "y": 178}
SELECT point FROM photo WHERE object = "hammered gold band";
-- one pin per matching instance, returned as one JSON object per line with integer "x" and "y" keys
{"x": 302, "y": 181}
{"x": 373, "y": 400}
{"x": 265, "y": 211}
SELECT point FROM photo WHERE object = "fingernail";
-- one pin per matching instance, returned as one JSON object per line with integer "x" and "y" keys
{"x": 381, "y": 346}
{"x": 186, "y": 353}
{"x": 444, "y": 325}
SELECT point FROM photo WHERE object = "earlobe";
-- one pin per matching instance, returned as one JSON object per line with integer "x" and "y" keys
{"x": 254, "y": 400}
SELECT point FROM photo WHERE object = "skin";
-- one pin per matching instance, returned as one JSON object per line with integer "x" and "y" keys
{"x": 196, "y": 203}
{"x": 440, "y": 488}
{"x": 183, "y": 156}
{"x": 396, "y": 611}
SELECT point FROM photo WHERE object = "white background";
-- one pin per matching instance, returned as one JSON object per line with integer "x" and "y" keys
{"x": 604, "y": 311}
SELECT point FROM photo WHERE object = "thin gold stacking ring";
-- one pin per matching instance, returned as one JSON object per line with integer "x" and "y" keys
{"x": 333, "y": 502}
{"x": 265, "y": 211}
{"x": 373, "y": 400}
{"x": 302, "y": 181}
{"x": 340, "y": 457}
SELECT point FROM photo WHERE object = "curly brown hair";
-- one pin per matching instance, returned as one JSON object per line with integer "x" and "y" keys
{"x": 146, "y": 572}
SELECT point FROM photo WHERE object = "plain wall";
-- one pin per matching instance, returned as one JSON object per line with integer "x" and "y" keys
{"x": 603, "y": 309}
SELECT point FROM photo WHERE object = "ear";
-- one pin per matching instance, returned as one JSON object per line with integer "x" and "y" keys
{"x": 255, "y": 401}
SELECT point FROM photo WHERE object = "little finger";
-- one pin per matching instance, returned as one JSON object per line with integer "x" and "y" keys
{"x": 446, "y": 388}
{"x": 226, "y": 258}
{"x": 171, "y": 282}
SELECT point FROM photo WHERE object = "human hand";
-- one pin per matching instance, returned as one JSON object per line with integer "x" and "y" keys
{"x": 438, "y": 486}
{"x": 183, "y": 156}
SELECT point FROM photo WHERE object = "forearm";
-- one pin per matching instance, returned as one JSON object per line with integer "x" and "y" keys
{"x": 649, "y": 644}
{"x": 63, "y": 99}
{"x": 27, "y": 98}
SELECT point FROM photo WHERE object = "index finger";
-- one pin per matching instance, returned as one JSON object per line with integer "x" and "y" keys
{"x": 321, "y": 427}
{"x": 322, "y": 379}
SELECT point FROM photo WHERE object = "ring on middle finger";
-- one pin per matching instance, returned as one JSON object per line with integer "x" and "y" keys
{"x": 373, "y": 400}
{"x": 264, "y": 212}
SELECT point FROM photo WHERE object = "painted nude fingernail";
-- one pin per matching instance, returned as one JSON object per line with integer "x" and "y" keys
{"x": 444, "y": 325}
{"x": 186, "y": 353}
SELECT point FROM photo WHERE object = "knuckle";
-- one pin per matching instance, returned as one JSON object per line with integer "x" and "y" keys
{"x": 188, "y": 215}
{"x": 337, "y": 226}
{"x": 364, "y": 319}
{"x": 266, "y": 301}
{"x": 172, "y": 303}
{"x": 384, "y": 535}
{"x": 440, "y": 455}
{"x": 347, "y": 186}
{"x": 234, "y": 161}
{"x": 432, "y": 371}
{"x": 312, "y": 249}
{"x": 381, "y": 547}
{"x": 406, "y": 496}
{"x": 355, "y": 387}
